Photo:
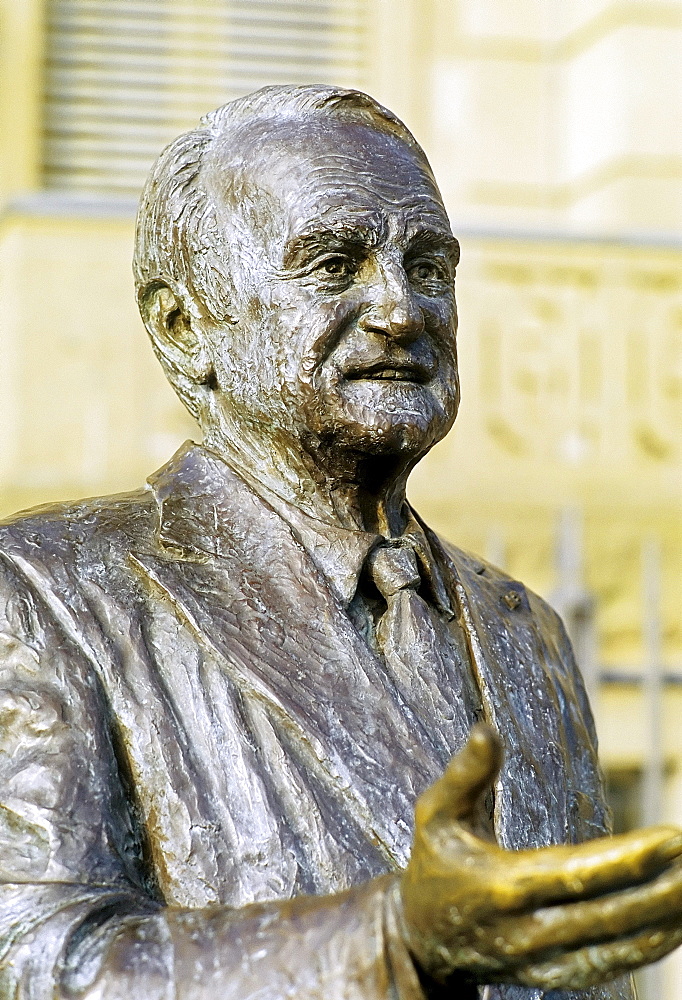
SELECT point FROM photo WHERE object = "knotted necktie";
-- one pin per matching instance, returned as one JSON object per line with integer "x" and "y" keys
{"x": 425, "y": 654}
{"x": 396, "y": 575}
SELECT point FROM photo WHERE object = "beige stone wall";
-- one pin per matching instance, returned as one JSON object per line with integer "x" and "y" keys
{"x": 557, "y": 114}
{"x": 21, "y": 48}
{"x": 84, "y": 406}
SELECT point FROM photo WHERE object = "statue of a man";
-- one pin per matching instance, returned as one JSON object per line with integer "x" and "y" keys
{"x": 224, "y": 694}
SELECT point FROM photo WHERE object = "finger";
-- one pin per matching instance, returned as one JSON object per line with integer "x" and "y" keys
{"x": 551, "y": 875}
{"x": 469, "y": 775}
{"x": 600, "y": 962}
{"x": 579, "y": 925}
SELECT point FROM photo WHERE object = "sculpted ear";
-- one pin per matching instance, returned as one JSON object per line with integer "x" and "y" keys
{"x": 175, "y": 335}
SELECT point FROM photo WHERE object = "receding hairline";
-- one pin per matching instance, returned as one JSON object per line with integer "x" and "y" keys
{"x": 269, "y": 127}
{"x": 303, "y": 102}
{"x": 254, "y": 142}
{"x": 240, "y": 125}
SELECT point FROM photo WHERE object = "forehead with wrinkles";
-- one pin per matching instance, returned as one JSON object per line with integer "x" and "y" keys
{"x": 300, "y": 176}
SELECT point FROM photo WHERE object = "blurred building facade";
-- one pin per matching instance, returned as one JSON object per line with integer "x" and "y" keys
{"x": 553, "y": 128}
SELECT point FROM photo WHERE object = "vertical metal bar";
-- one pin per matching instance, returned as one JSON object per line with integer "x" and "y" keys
{"x": 496, "y": 548}
{"x": 652, "y": 790}
{"x": 573, "y": 600}
{"x": 651, "y": 978}
{"x": 569, "y": 549}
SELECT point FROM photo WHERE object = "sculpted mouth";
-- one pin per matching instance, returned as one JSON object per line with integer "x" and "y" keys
{"x": 390, "y": 373}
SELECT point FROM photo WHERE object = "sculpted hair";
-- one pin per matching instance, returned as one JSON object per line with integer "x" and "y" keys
{"x": 179, "y": 240}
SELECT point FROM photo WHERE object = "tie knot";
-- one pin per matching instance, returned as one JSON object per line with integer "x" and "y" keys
{"x": 393, "y": 569}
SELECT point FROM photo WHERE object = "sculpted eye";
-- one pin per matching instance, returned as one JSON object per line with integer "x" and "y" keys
{"x": 337, "y": 266}
{"x": 425, "y": 271}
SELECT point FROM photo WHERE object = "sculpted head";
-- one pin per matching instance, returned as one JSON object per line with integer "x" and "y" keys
{"x": 295, "y": 270}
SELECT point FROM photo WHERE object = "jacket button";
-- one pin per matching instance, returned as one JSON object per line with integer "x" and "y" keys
{"x": 512, "y": 599}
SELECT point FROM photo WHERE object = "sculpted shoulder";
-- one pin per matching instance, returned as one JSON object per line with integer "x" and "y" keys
{"x": 496, "y": 590}
{"x": 471, "y": 567}
{"x": 80, "y": 532}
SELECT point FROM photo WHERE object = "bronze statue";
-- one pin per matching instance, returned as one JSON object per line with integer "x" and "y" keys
{"x": 223, "y": 694}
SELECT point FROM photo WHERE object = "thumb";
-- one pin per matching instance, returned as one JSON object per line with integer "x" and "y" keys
{"x": 467, "y": 777}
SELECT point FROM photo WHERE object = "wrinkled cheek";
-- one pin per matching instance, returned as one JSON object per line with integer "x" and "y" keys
{"x": 447, "y": 395}
{"x": 440, "y": 323}
{"x": 248, "y": 366}
{"x": 314, "y": 333}
{"x": 451, "y": 378}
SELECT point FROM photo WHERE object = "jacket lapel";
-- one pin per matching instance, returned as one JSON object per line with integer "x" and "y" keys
{"x": 528, "y": 689}
{"x": 250, "y": 592}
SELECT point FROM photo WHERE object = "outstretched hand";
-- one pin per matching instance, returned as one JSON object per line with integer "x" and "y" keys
{"x": 556, "y": 917}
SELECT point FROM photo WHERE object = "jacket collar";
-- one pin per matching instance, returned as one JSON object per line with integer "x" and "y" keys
{"x": 191, "y": 491}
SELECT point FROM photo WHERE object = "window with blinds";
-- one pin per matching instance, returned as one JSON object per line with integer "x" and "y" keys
{"x": 124, "y": 77}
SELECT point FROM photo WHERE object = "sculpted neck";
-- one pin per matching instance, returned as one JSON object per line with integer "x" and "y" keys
{"x": 350, "y": 489}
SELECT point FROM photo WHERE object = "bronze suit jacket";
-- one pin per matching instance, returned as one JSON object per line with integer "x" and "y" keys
{"x": 189, "y": 718}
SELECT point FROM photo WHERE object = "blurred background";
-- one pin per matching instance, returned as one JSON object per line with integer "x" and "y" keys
{"x": 554, "y": 128}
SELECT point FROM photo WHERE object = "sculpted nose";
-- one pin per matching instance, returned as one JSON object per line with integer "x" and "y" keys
{"x": 393, "y": 310}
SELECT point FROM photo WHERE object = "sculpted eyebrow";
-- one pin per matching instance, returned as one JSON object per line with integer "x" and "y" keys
{"x": 302, "y": 248}
{"x": 429, "y": 240}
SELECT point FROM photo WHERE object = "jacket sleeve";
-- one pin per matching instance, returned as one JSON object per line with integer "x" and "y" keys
{"x": 80, "y": 918}
{"x": 68, "y": 844}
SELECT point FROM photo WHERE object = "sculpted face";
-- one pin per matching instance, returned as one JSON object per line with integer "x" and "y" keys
{"x": 344, "y": 291}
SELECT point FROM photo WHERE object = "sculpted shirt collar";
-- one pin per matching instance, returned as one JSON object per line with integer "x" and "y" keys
{"x": 189, "y": 489}
{"x": 341, "y": 552}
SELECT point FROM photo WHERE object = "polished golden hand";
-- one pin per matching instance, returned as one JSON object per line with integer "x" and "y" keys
{"x": 556, "y": 917}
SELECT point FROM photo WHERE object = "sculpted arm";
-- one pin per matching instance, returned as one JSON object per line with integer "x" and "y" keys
{"x": 469, "y": 913}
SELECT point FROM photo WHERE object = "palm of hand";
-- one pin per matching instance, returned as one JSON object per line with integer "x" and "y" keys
{"x": 556, "y": 917}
